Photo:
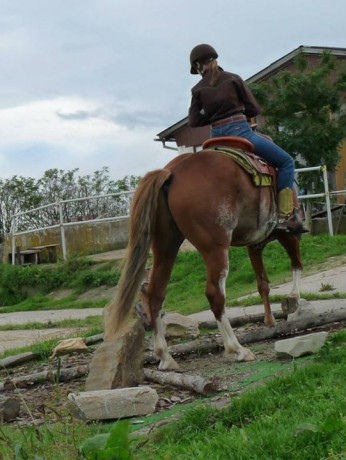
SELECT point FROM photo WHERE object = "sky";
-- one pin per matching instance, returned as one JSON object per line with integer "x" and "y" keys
{"x": 90, "y": 83}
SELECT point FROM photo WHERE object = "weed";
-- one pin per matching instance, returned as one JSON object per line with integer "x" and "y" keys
{"x": 326, "y": 287}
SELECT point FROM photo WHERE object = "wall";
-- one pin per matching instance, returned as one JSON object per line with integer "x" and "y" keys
{"x": 80, "y": 239}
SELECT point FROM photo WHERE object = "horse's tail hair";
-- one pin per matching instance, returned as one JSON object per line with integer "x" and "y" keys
{"x": 142, "y": 223}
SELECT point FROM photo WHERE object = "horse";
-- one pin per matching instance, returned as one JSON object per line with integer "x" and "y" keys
{"x": 210, "y": 200}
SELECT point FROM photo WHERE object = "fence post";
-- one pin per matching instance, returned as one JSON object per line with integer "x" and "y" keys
{"x": 62, "y": 230}
{"x": 13, "y": 232}
{"x": 326, "y": 191}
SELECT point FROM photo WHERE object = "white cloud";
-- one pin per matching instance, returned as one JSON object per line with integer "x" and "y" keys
{"x": 74, "y": 132}
{"x": 89, "y": 84}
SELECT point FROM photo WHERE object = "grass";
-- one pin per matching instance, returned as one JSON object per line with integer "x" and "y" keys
{"x": 297, "y": 416}
{"x": 30, "y": 285}
{"x": 41, "y": 302}
{"x": 186, "y": 289}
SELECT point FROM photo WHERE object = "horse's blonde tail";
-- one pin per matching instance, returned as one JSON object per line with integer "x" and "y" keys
{"x": 142, "y": 222}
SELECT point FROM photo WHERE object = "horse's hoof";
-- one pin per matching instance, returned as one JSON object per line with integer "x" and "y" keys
{"x": 168, "y": 364}
{"x": 270, "y": 322}
{"x": 290, "y": 304}
{"x": 245, "y": 355}
{"x": 143, "y": 316}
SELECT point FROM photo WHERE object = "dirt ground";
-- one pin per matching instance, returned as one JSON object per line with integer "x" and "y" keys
{"x": 47, "y": 401}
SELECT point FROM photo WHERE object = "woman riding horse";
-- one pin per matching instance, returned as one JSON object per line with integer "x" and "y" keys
{"x": 224, "y": 101}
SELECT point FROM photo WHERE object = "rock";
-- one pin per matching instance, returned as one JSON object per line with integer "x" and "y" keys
{"x": 118, "y": 362}
{"x": 304, "y": 310}
{"x": 299, "y": 346}
{"x": 69, "y": 346}
{"x": 113, "y": 404}
{"x": 9, "y": 409}
{"x": 180, "y": 326}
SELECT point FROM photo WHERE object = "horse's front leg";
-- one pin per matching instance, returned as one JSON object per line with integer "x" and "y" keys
{"x": 256, "y": 258}
{"x": 217, "y": 271}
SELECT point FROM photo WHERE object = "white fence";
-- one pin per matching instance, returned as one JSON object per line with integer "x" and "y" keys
{"x": 123, "y": 208}
{"x": 326, "y": 195}
{"x": 122, "y": 211}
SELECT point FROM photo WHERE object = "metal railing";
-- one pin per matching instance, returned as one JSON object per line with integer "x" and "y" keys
{"x": 327, "y": 194}
{"x": 123, "y": 207}
{"x": 126, "y": 210}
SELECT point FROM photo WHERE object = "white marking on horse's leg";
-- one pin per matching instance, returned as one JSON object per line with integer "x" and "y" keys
{"x": 230, "y": 341}
{"x": 161, "y": 348}
{"x": 229, "y": 338}
{"x": 297, "y": 274}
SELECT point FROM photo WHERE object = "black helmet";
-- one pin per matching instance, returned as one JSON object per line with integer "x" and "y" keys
{"x": 201, "y": 53}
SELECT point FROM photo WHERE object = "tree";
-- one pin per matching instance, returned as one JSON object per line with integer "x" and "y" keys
{"x": 17, "y": 194}
{"x": 303, "y": 111}
{"x": 20, "y": 194}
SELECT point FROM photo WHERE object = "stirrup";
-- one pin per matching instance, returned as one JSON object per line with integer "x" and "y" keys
{"x": 291, "y": 223}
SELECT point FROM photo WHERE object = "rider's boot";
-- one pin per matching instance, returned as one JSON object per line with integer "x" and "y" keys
{"x": 288, "y": 219}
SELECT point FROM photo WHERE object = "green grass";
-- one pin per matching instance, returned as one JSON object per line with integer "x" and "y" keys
{"x": 41, "y": 302}
{"x": 297, "y": 416}
{"x": 27, "y": 287}
{"x": 186, "y": 289}
{"x": 18, "y": 283}
{"x": 88, "y": 322}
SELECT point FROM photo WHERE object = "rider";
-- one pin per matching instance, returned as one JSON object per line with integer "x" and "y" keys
{"x": 223, "y": 100}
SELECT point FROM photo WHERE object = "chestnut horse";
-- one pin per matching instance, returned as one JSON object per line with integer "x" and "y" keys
{"x": 207, "y": 198}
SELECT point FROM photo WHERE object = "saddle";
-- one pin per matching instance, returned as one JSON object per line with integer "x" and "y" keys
{"x": 242, "y": 152}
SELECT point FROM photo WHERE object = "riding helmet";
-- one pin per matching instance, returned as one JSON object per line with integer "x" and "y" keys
{"x": 201, "y": 53}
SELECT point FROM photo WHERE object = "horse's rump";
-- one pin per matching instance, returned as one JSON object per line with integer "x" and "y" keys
{"x": 211, "y": 194}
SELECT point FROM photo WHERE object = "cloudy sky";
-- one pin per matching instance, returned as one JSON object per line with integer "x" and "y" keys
{"x": 89, "y": 83}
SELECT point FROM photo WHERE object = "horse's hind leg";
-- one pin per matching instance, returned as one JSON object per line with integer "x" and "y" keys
{"x": 291, "y": 244}
{"x": 256, "y": 258}
{"x": 217, "y": 270}
{"x": 165, "y": 246}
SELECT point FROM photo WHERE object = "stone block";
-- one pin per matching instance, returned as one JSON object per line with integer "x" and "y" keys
{"x": 300, "y": 346}
{"x": 113, "y": 404}
{"x": 69, "y": 346}
{"x": 118, "y": 362}
{"x": 180, "y": 326}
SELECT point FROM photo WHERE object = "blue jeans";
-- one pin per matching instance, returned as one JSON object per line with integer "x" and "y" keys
{"x": 264, "y": 148}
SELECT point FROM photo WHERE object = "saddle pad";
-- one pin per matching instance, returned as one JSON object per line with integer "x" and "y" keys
{"x": 262, "y": 173}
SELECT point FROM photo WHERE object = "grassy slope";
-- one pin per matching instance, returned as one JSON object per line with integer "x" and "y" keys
{"x": 186, "y": 289}
{"x": 296, "y": 416}
{"x": 185, "y": 292}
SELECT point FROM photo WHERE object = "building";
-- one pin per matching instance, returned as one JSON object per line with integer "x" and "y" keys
{"x": 186, "y": 139}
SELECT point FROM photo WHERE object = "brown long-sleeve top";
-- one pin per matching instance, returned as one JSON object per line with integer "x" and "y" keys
{"x": 230, "y": 95}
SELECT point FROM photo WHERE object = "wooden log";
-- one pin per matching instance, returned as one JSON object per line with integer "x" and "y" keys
{"x": 292, "y": 328}
{"x": 263, "y": 333}
{"x": 188, "y": 382}
{"x": 63, "y": 375}
{"x": 242, "y": 320}
{"x": 204, "y": 345}
{"x": 94, "y": 339}
{"x": 15, "y": 360}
